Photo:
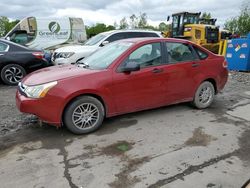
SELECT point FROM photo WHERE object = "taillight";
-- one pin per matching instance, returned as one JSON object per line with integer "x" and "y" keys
{"x": 224, "y": 64}
{"x": 38, "y": 55}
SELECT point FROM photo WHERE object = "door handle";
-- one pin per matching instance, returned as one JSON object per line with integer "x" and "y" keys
{"x": 1, "y": 54}
{"x": 195, "y": 64}
{"x": 156, "y": 70}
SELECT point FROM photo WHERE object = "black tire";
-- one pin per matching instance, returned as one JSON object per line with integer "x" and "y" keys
{"x": 203, "y": 100}
{"x": 12, "y": 74}
{"x": 75, "y": 117}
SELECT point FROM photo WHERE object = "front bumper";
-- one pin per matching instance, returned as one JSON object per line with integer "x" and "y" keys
{"x": 61, "y": 61}
{"x": 46, "y": 109}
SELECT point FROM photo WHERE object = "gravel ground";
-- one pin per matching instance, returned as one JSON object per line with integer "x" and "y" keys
{"x": 172, "y": 147}
{"x": 11, "y": 120}
{"x": 242, "y": 77}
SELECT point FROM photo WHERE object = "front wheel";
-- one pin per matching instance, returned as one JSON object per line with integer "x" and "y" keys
{"x": 204, "y": 95}
{"x": 84, "y": 115}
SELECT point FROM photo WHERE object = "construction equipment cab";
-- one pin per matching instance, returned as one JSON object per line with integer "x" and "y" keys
{"x": 180, "y": 20}
{"x": 189, "y": 26}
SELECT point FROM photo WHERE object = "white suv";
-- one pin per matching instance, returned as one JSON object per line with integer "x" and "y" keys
{"x": 72, "y": 54}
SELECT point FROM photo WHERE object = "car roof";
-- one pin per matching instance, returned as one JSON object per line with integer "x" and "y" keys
{"x": 130, "y": 30}
{"x": 155, "y": 39}
{"x": 19, "y": 46}
{"x": 11, "y": 43}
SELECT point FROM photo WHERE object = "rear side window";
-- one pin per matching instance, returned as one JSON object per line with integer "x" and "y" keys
{"x": 201, "y": 54}
{"x": 150, "y": 35}
{"x": 3, "y": 47}
{"x": 179, "y": 52}
{"x": 141, "y": 34}
{"x": 116, "y": 36}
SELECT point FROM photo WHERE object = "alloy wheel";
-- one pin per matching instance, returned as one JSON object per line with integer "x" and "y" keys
{"x": 85, "y": 116}
{"x": 13, "y": 75}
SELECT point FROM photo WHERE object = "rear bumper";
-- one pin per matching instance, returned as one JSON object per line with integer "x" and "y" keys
{"x": 39, "y": 107}
{"x": 223, "y": 80}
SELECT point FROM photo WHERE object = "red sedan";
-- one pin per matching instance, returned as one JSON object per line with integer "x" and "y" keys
{"x": 124, "y": 76}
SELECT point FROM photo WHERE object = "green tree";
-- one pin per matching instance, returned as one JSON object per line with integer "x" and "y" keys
{"x": 123, "y": 23}
{"x": 163, "y": 26}
{"x": 206, "y": 15}
{"x": 3, "y": 22}
{"x": 142, "y": 23}
{"x": 133, "y": 21}
{"x": 98, "y": 28}
{"x": 6, "y": 25}
{"x": 115, "y": 25}
{"x": 240, "y": 24}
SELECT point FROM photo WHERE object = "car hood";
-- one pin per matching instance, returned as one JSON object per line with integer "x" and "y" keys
{"x": 55, "y": 73}
{"x": 77, "y": 48}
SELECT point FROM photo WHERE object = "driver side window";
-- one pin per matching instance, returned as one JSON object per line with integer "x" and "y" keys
{"x": 146, "y": 55}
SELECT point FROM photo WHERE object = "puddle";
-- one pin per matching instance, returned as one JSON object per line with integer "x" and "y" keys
{"x": 117, "y": 148}
{"x": 199, "y": 138}
{"x": 124, "y": 179}
{"x": 244, "y": 142}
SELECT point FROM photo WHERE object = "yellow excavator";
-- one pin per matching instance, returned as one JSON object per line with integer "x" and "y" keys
{"x": 203, "y": 32}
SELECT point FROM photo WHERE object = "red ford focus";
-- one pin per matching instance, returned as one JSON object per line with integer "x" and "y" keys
{"x": 124, "y": 76}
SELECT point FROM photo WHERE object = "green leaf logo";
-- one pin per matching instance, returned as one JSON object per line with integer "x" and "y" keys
{"x": 54, "y": 27}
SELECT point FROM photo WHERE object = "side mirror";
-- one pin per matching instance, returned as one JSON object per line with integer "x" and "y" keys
{"x": 168, "y": 18}
{"x": 8, "y": 38}
{"x": 105, "y": 43}
{"x": 129, "y": 67}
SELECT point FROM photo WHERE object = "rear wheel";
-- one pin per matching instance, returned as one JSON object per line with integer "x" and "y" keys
{"x": 204, "y": 95}
{"x": 84, "y": 115}
{"x": 12, "y": 74}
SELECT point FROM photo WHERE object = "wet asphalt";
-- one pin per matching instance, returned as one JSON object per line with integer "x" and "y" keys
{"x": 175, "y": 146}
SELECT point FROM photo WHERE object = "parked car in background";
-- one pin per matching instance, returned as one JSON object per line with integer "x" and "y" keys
{"x": 73, "y": 54}
{"x": 122, "y": 77}
{"x": 16, "y": 61}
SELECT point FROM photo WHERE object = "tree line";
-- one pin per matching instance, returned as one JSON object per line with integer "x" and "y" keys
{"x": 239, "y": 24}
{"x": 132, "y": 22}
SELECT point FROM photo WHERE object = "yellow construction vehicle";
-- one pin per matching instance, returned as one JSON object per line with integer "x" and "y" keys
{"x": 190, "y": 26}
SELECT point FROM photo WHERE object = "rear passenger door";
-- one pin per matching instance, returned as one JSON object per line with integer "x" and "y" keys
{"x": 182, "y": 70}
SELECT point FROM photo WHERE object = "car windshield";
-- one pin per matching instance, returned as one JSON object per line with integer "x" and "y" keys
{"x": 94, "y": 40}
{"x": 102, "y": 58}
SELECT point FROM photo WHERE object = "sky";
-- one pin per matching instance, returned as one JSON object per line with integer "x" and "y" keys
{"x": 110, "y": 11}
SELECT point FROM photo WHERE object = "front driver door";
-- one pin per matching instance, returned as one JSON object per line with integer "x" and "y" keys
{"x": 141, "y": 89}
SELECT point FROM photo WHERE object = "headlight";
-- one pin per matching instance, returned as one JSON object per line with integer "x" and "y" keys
{"x": 39, "y": 91}
{"x": 65, "y": 54}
